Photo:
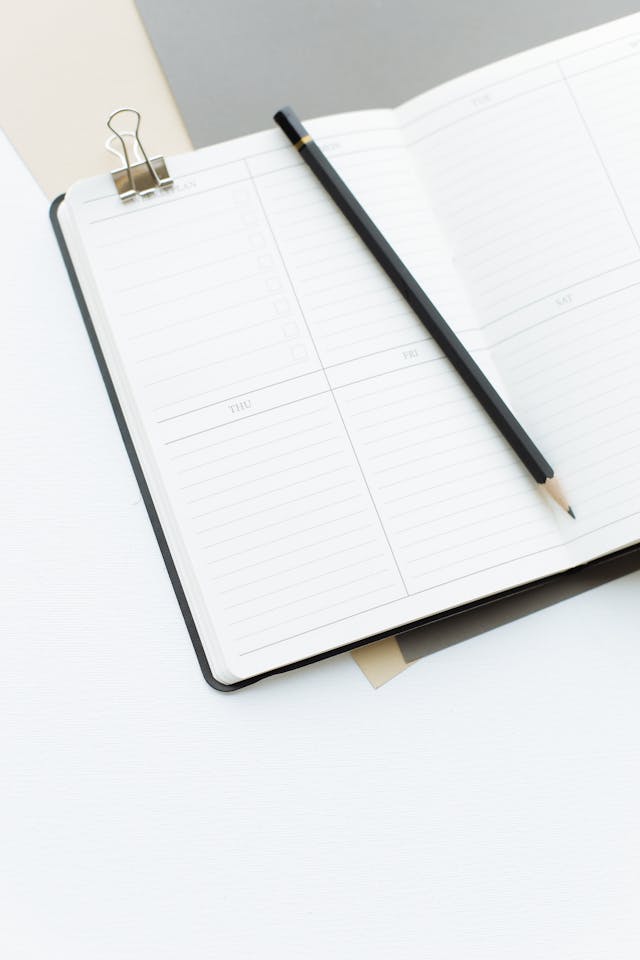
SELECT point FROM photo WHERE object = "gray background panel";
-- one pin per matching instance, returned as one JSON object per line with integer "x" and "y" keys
{"x": 232, "y": 65}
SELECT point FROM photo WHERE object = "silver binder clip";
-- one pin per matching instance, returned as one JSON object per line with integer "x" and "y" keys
{"x": 138, "y": 174}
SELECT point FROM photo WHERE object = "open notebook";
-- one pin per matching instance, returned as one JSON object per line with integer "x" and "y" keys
{"x": 316, "y": 471}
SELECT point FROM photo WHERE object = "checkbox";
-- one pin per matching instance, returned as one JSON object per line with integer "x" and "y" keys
{"x": 290, "y": 330}
{"x": 273, "y": 284}
{"x": 256, "y": 240}
{"x": 265, "y": 260}
{"x": 299, "y": 352}
{"x": 282, "y": 306}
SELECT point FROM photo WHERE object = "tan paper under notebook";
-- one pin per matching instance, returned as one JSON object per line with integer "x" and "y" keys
{"x": 317, "y": 473}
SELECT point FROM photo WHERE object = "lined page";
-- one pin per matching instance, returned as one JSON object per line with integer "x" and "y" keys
{"x": 451, "y": 496}
{"x": 532, "y": 166}
{"x": 320, "y": 472}
{"x": 411, "y": 420}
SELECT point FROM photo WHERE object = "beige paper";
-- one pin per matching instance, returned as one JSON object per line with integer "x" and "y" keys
{"x": 381, "y": 661}
{"x": 63, "y": 69}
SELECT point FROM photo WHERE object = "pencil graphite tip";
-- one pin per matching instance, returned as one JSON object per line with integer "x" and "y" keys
{"x": 555, "y": 491}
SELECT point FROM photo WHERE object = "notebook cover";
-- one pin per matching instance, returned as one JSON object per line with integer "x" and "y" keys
{"x": 164, "y": 547}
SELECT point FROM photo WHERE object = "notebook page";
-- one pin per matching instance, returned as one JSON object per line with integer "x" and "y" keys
{"x": 289, "y": 445}
{"x": 532, "y": 164}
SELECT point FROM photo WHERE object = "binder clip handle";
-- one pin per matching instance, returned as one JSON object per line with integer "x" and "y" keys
{"x": 138, "y": 175}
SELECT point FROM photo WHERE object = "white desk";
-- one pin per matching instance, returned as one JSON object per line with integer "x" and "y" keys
{"x": 484, "y": 804}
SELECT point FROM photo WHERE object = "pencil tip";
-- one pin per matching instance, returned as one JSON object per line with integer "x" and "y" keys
{"x": 554, "y": 490}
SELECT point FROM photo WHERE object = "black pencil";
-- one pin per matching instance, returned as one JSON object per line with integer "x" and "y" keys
{"x": 408, "y": 286}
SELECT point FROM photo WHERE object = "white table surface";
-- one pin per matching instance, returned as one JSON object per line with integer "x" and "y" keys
{"x": 484, "y": 804}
